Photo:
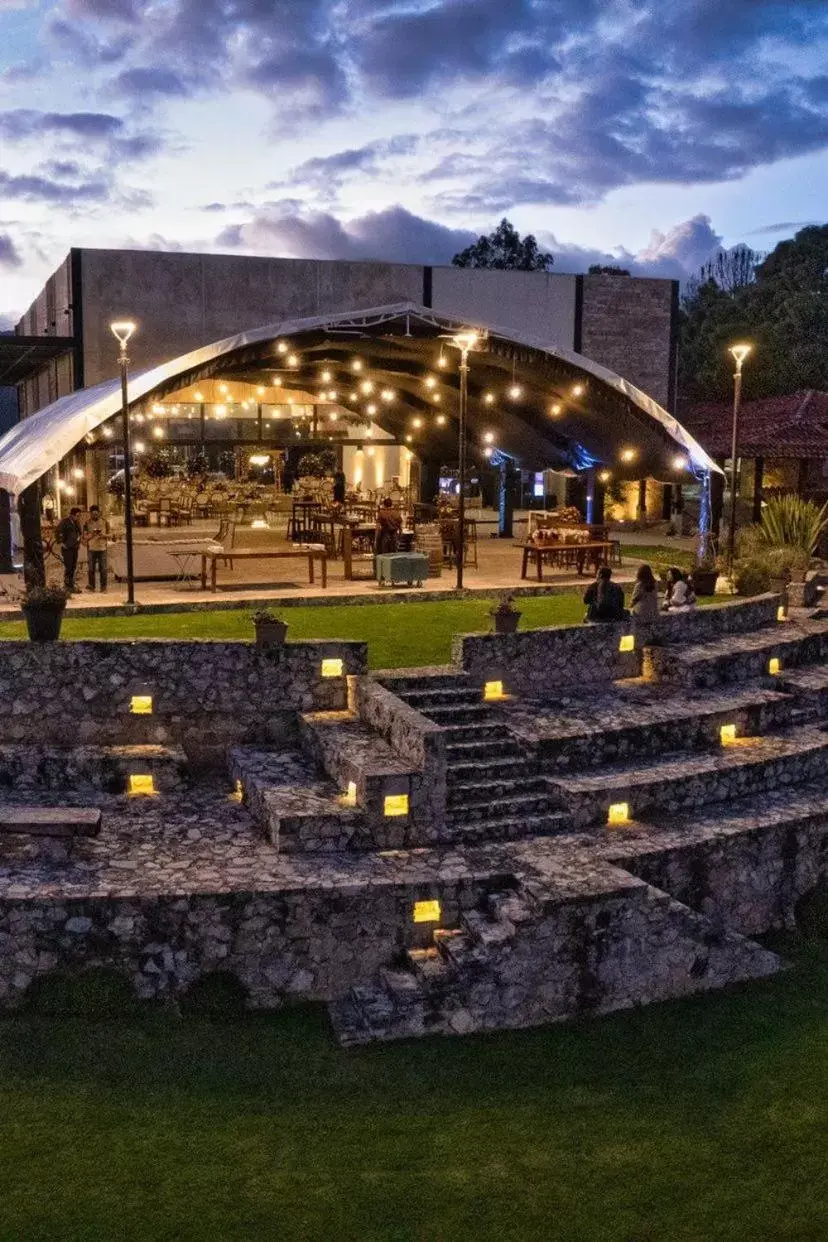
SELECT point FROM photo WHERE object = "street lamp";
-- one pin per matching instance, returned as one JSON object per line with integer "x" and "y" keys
{"x": 122, "y": 331}
{"x": 739, "y": 352}
{"x": 465, "y": 342}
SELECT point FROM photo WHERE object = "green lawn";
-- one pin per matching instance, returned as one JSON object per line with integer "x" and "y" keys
{"x": 694, "y": 1121}
{"x": 399, "y": 635}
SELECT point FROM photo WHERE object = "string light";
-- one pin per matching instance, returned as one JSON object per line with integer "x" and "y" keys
{"x": 292, "y": 360}
{"x": 108, "y": 432}
{"x": 515, "y": 392}
{"x": 435, "y": 396}
{"x": 555, "y": 409}
{"x": 430, "y": 381}
{"x": 366, "y": 386}
{"x": 223, "y": 388}
{"x": 356, "y": 365}
{"x": 354, "y": 397}
{"x": 604, "y": 476}
{"x": 680, "y": 463}
{"x": 489, "y": 397}
{"x": 489, "y": 437}
{"x": 199, "y": 396}
{"x": 487, "y": 452}
{"x": 408, "y": 439}
{"x": 388, "y": 394}
{"x": 628, "y": 455}
{"x": 577, "y": 390}
{"x": 371, "y": 409}
{"x": 260, "y": 390}
{"x": 281, "y": 346}
{"x": 277, "y": 381}
{"x": 326, "y": 377}
{"x": 442, "y": 361}
{"x": 416, "y": 422}
{"x": 333, "y": 416}
{"x": 441, "y": 418}
{"x": 158, "y": 432}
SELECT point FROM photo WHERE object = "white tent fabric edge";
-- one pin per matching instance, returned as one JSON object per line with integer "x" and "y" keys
{"x": 35, "y": 445}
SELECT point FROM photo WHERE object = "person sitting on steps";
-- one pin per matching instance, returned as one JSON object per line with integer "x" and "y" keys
{"x": 680, "y": 594}
{"x": 604, "y": 598}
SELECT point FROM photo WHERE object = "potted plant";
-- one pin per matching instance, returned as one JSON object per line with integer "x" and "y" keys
{"x": 706, "y": 572}
{"x": 506, "y": 616}
{"x": 43, "y": 608}
{"x": 270, "y": 629}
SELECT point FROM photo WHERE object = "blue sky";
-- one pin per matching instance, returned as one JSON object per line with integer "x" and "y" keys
{"x": 617, "y": 131}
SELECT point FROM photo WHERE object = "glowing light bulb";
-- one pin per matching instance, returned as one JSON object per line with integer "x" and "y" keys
{"x": 489, "y": 437}
{"x": 489, "y": 397}
{"x": 223, "y": 388}
{"x": 277, "y": 381}
{"x": 515, "y": 392}
{"x": 371, "y": 409}
{"x": 442, "y": 361}
{"x": 370, "y": 450}
{"x": 325, "y": 377}
{"x": 260, "y": 390}
{"x": 577, "y": 390}
{"x": 679, "y": 462}
{"x": 487, "y": 452}
{"x": 388, "y": 394}
{"x": 199, "y": 396}
{"x": 408, "y": 439}
{"x": 441, "y": 418}
{"x": 158, "y": 432}
{"x": 292, "y": 360}
{"x": 333, "y": 416}
{"x": 628, "y": 454}
{"x": 604, "y": 476}
{"x": 555, "y": 409}
{"x": 430, "y": 381}
{"x": 282, "y": 347}
{"x": 416, "y": 422}
{"x": 435, "y": 396}
{"x": 367, "y": 387}
{"x": 369, "y": 431}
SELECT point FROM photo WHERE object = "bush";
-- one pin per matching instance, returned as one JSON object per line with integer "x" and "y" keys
{"x": 752, "y": 577}
{"x": 97, "y": 993}
{"x": 791, "y": 522}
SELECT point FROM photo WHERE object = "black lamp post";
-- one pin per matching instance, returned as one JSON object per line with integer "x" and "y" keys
{"x": 465, "y": 342}
{"x": 739, "y": 352}
{"x": 122, "y": 331}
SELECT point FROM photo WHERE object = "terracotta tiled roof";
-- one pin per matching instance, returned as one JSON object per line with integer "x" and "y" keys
{"x": 792, "y": 426}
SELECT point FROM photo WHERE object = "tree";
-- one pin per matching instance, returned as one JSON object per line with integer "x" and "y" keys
{"x": 506, "y": 250}
{"x": 606, "y": 269}
{"x": 782, "y": 310}
{"x": 732, "y": 269}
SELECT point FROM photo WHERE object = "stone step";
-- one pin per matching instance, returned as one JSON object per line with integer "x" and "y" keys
{"x": 80, "y": 768}
{"x": 446, "y": 696}
{"x": 474, "y": 795}
{"x": 507, "y": 767}
{"x": 480, "y": 730}
{"x": 464, "y": 714}
{"x": 411, "y": 681}
{"x": 458, "y": 753}
{"x": 739, "y": 657}
{"x": 506, "y": 827}
{"x": 809, "y": 685}
{"x": 679, "y": 783}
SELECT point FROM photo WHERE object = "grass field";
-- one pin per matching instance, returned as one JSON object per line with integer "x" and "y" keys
{"x": 398, "y": 635}
{"x": 693, "y": 1121}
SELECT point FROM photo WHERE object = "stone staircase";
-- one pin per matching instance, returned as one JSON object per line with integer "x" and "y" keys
{"x": 495, "y": 790}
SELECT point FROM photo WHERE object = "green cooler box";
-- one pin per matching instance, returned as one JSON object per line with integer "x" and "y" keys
{"x": 396, "y": 568}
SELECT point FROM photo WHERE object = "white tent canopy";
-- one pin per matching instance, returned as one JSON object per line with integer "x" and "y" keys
{"x": 34, "y": 446}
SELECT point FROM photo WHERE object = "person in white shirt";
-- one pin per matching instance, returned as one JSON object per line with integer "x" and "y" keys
{"x": 680, "y": 594}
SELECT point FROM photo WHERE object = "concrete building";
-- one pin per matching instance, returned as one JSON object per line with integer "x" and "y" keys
{"x": 184, "y": 301}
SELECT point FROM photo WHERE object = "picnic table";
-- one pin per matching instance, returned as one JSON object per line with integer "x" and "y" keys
{"x": 565, "y": 555}
{"x": 309, "y": 552}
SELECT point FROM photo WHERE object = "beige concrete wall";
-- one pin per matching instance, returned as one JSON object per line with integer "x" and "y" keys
{"x": 536, "y": 302}
{"x": 181, "y": 301}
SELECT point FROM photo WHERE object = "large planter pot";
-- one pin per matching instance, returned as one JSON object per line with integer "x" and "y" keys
{"x": 506, "y": 622}
{"x": 704, "y": 581}
{"x": 43, "y": 624}
{"x": 270, "y": 633}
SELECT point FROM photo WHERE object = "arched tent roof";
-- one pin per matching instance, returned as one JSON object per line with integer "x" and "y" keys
{"x": 548, "y": 426}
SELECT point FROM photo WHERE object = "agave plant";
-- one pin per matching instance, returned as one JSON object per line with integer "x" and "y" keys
{"x": 791, "y": 522}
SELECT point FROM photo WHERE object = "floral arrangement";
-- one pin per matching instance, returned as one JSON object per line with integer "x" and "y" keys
{"x": 51, "y": 598}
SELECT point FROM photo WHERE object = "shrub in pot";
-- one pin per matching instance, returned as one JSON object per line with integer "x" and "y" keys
{"x": 752, "y": 576}
{"x": 43, "y": 607}
{"x": 505, "y": 616}
{"x": 270, "y": 629}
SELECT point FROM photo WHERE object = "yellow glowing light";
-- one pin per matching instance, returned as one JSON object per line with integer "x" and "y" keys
{"x": 282, "y": 347}
{"x": 108, "y": 432}
{"x": 371, "y": 409}
{"x": 333, "y": 416}
{"x": 277, "y": 381}
{"x": 426, "y": 912}
{"x": 370, "y": 450}
{"x": 357, "y": 364}
{"x": 354, "y": 397}
{"x": 440, "y": 420}
{"x": 739, "y": 352}
{"x": 199, "y": 396}
{"x": 781, "y": 614}
{"x": 77, "y": 473}
{"x": 158, "y": 432}
{"x": 619, "y": 813}
{"x": 627, "y": 642}
{"x": 577, "y": 390}
{"x": 238, "y": 792}
{"x": 141, "y": 705}
{"x": 465, "y": 341}
{"x": 430, "y": 381}
{"x": 369, "y": 431}
{"x": 260, "y": 390}
{"x": 326, "y": 377}
{"x": 555, "y": 409}
{"x": 489, "y": 397}
{"x": 140, "y": 446}
{"x": 292, "y": 360}
{"x": 416, "y": 422}
{"x": 489, "y": 437}
{"x": 727, "y": 733}
{"x": 679, "y": 463}
{"x": 259, "y": 459}
{"x": 141, "y": 783}
{"x": 388, "y": 394}
{"x": 515, "y": 392}
{"x": 408, "y": 439}
{"x": 604, "y": 476}
{"x": 435, "y": 396}
{"x": 332, "y": 668}
{"x": 394, "y": 805}
{"x": 487, "y": 452}
{"x": 774, "y": 666}
{"x": 223, "y": 388}
{"x": 442, "y": 361}
{"x": 367, "y": 387}
{"x": 628, "y": 455}
{"x": 349, "y": 797}
{"x": 493, "y": 690}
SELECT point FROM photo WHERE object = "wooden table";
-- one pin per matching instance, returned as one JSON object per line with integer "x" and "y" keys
{"x": 565, "y": 555}
{"x": 254, "y": 554}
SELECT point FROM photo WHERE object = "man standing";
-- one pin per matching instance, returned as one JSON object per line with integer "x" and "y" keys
{"x": 69, "y": 536}
{"x": 96, "y": 534}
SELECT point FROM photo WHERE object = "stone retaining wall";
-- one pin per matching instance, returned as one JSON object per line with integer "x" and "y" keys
{"x": 204, "y": 693}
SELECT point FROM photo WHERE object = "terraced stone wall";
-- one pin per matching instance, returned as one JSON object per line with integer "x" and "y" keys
{"x": 548, "y": 660}
{"x": 203, "y": 693}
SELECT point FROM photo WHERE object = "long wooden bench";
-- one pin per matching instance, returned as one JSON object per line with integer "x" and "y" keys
{"x": 254, "y": 554}
{"x": 56, "y": 827}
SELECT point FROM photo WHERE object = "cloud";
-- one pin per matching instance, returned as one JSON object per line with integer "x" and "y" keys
{"x": 144, "y": 83}
{"x": 395, "y": 235}
{"x": 785, "y": 226}
{"x": 38, "y": 189}
{"x": 9, "y": 254}
{"x": 23, "y": 123}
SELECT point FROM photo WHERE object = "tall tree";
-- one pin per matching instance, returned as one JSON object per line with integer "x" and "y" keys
{"x": 782, "y": 311}
{"x": 505, "y": 249}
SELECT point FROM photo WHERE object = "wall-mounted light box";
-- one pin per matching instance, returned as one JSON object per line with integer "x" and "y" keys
{"x": 141, "y": 705}
{"x": 332, "y": 668}
{"x": 141, "y": 783}
{"x": 619, "y": 813}
{"x": 426, "y": 911}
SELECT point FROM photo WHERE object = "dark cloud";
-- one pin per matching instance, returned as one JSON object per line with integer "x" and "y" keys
{"x": 22, "y": 123}
{"x": 785, "y": 226}
{"x": 145, "y": 83}
{"x": 34, "y": 188}
{"x": 9, "y": 254}
{"x": 325, "y": 174}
